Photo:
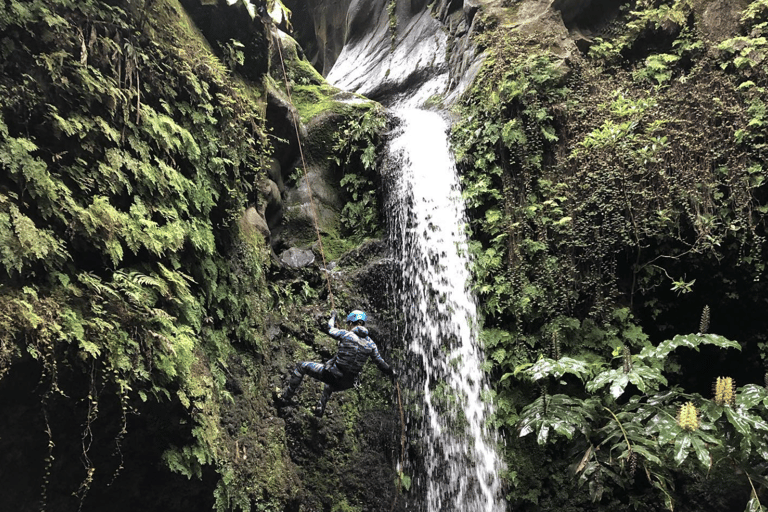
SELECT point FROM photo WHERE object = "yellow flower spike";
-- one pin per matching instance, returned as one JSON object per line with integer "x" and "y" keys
{"x": 725, "y": 391}
{"x": 688, "y": 418}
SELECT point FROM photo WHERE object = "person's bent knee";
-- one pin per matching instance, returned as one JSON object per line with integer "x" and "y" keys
{"x": 310, "y": 368}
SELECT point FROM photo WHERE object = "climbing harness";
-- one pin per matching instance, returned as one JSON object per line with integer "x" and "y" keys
{"x": 296, "y": 122}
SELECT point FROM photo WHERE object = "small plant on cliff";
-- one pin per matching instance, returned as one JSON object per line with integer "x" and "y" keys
{"x": 392, "y": 13}
{"x": 356, "y": 153}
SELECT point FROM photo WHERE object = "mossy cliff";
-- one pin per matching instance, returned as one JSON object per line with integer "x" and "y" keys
{"x": 613, "y": 161}
{"x": 144, "y": 323}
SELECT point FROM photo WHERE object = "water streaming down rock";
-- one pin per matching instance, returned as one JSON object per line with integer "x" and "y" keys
{"x": 454, "y": 463}
{"x": 460, "y": 467}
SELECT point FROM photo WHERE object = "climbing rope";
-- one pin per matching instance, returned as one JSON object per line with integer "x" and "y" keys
{"x": 322, "y": 254}
{"x": 402, "y": 426}
{"x": 402, "y": 446}
{"x": 304, "y": 166}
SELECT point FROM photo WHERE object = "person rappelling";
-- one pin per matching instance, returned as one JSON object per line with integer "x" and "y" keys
{"x": 341, "y": 371}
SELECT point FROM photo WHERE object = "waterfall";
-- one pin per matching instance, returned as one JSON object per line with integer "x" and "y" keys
{"x": 454, "y": 464}
{"x": 459, "y": 467}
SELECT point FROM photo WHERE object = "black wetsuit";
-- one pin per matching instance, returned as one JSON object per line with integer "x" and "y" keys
{"x": 339, "y": 373}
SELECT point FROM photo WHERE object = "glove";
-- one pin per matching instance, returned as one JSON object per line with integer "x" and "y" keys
{"x": 332, "y": 320}
{"x": 392, "y": 374}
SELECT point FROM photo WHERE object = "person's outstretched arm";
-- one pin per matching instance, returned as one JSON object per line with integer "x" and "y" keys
{"x": 332, "y": 330}
{"x": 385, "y": 368}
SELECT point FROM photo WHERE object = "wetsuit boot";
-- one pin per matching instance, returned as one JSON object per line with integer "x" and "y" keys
{"x": 320, "y": 408}
{"x": 285, "y": 396}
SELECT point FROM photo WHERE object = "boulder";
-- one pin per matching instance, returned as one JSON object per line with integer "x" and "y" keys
{"x": 719, "y": 19}
{"x": 297, "y": 258}
{"x": 252, "y": 219}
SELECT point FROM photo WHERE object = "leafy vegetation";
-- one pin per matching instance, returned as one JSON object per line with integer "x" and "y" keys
{"x": 611, "y": 198}
{"x": 652, "y": 430}
{"x": 359, "y": 141}
{"x": 128, "y": 153}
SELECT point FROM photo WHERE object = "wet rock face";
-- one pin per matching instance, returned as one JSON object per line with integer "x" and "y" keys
{"x": 347, "y": 459}
{"x": 388, "y": 50}
{"x": 389, "y": 53}
{"x": 320, "y": 27}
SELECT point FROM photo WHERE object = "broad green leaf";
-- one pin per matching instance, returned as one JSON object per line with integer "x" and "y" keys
{"x": 562, "y": 414}
{"x": 518, "y": 369}
{"x": 711, "y": 411}
{"x": 617, "y": 387}
{"x": 564, "y": 428}
{"x": 667, "y": 428}
{"x": 717, "y": 340}
{"x": 754, "y": 505}
{"x": 682, "y": 443}
{"x": 405, "y": 480}
{"x": 750, "y": 395}
{"x": 543, "y": 434}
{"x": 701, "y": 451}
{"x": 647, "y": 454}
{"x": 601, "y": 380}
{"x": 738, "y": 420}
{"x": 546, "y": 367}
{"x": 761, "y": 446}
{"x": 746, "y": 448}
{"x": 662, "y": 484}
{"x": 663, "y": 397}
{"x": 757, "y": 422}
{"x": 617, "y": 379}
{"x": 706, "y": 436}
{"x": 692, "y": 341}
{"x": 646, "y": 378}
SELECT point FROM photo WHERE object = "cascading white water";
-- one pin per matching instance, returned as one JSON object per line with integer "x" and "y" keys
{"x": 447, "y": 414}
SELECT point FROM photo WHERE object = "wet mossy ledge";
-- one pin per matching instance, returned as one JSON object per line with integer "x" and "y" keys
{"x": 143, "y": 324}
{"x": 332, "y": 184}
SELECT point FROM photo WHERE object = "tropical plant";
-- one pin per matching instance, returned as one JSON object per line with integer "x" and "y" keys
{"x": 624, "y": 420}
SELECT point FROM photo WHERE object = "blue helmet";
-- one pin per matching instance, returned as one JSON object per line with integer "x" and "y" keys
{"x": 355, "y": 316}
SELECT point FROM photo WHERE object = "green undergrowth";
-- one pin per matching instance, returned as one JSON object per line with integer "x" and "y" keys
{"x": 128, "y": 154}
{"x": 614, "y": 200}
